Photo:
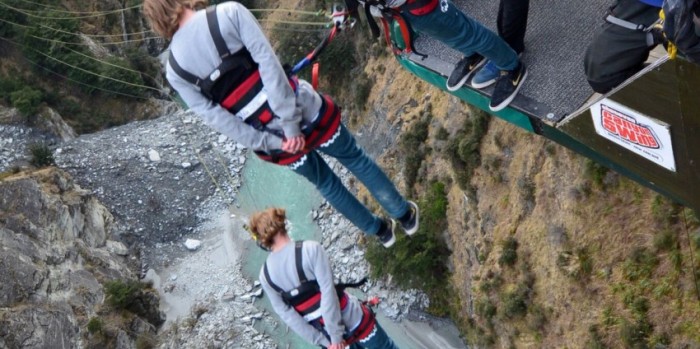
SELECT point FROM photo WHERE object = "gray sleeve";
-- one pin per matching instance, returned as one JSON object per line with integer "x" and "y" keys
{"x": 281, "y": 97}
{"x": 291, "y": 317}
{"x": 220, "y": 119}
{"x": 330, "y": 306}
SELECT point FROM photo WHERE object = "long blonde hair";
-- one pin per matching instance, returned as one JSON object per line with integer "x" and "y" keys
{"x": 265, "y": 225}
{"x": 164, "y": 15}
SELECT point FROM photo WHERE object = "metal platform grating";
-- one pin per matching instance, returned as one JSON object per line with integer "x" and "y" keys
{"x": 557, "y": 36}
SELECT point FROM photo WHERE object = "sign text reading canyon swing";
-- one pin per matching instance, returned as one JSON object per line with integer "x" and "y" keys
{"x": 636, "y": 132}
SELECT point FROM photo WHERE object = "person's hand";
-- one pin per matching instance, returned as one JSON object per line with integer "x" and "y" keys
{"x": 294, "y": 144}
{"x": 340, "y": 345}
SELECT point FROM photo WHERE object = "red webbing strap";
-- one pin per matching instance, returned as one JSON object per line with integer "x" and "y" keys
{"x": 303, "y": 307}
{"x": 364, "y": 328}
{"x": 385, "y": 24}
{"x": 420, "y": 7}
{"x": 241, "y": 90}
{"x": 405, "y": 32}
{"x": 314, "y": 75}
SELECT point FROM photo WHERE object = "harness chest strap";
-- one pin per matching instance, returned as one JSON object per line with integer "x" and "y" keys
{"x": 420, "y": 7}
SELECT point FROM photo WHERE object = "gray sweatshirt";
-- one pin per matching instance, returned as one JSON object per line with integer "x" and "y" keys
{"x": 282, "y": 268}
{"x": 194, "y": 49}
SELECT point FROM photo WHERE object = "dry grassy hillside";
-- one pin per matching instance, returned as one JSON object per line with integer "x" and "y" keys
{"x": 550, "y": 250}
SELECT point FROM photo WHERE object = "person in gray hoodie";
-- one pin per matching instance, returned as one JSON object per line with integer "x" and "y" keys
{"x": 298, "y": 279}
{"x": 224, "y": 69}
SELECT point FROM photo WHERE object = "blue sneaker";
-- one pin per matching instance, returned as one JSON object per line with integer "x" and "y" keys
{"x": 486, "y": 76}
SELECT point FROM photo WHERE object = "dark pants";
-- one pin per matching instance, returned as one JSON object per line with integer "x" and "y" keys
{"x": 617, "y": 53}
{"x": 512, "y": 22}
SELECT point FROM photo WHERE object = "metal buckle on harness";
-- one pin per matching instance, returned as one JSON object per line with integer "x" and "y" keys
{"x": 340, "y": 18}
{"x": 215, "y": 75}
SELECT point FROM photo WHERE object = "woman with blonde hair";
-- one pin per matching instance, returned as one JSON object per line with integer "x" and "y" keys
{"x": 297, "y": 278}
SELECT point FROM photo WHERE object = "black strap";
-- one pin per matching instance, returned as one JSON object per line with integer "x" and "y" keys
{"x": 372, "y": 23}
{"x": 269, "y": 280}
{"x": 189, "y": 77}
{"x": 297, "y": 257}
{"x": 213, "y": 22}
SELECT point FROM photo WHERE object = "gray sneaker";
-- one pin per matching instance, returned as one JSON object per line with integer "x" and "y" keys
{"x": 387, "y": 233}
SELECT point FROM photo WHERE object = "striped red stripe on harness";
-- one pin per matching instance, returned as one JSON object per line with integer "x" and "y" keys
{"x": 314, "y": 303}
{"x": 420, "y": 7}
{"x": 325, "y": 126}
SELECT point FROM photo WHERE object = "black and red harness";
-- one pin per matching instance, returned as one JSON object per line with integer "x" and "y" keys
{"x": 306, "y": 300}
{"x": 236, "y": 85}
{"x": 414, "y": 7}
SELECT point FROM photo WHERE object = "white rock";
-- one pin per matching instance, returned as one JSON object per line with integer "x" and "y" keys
{"x": 117, "y": 248}
{"x": 186, "y": 165}
{"x": 222, "y": 139}
{"x": 241, "y": 160}
{"x": 153, "y": 155}
{"x": 192, "y": 244}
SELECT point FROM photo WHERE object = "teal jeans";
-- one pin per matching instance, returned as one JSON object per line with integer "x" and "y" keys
{"x": 344, "y": 148}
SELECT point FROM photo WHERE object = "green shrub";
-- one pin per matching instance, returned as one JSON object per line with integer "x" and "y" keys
{"x": 515, "y": 303}
{"x": 42, "y": 156}
{"x": 696, "y": 239}
{"x": 462, "y": 150}
{"x": 27, "y": 100}
{"x": 639, "y": 265}
{"x": 595, "y": 341}
{"x": 95, "y": 325}
{"x": 665, "y": 241}
{"x": 8, "y": 86}
{"x": 595, "y": 172}
{"x": 123, "y": 294}
{"x": 536, "y": 318}
{"x": 419, "y": 261}
{"x": 412, "y": 146}
{"x": 585, "y": 263}
{"x": 442, "y": 134}
{"x": 363, "y": 86}
{"x": 485, "y": 309}
{"x": 509, "y": 254}
{"x": 118, "y": 77}
{"x": 635, "y": 334}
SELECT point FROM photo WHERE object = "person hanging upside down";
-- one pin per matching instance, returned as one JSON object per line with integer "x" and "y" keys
{"x": 298, "y": 279}
{"x": 224, "y": 68}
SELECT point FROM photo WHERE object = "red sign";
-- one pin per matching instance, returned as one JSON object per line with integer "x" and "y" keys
{"x": 627, "y": 128}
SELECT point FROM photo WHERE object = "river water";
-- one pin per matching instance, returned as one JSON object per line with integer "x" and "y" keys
{"x": 267, "y": 185}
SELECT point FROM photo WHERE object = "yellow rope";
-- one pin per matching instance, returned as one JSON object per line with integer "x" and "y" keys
{"x": 670, "y": 48}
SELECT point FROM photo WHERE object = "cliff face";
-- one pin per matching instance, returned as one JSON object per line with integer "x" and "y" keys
{"x": 54, "y": 258}
{"x": 549, "y": 249}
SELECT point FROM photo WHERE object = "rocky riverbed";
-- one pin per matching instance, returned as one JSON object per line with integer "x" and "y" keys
{"x": 172, "y": 179}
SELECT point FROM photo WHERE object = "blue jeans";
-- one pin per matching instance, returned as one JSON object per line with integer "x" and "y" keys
{"x": 376, "y": 340}
{"x": 344, "y": 148}
{"x": 464, "y": 34}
